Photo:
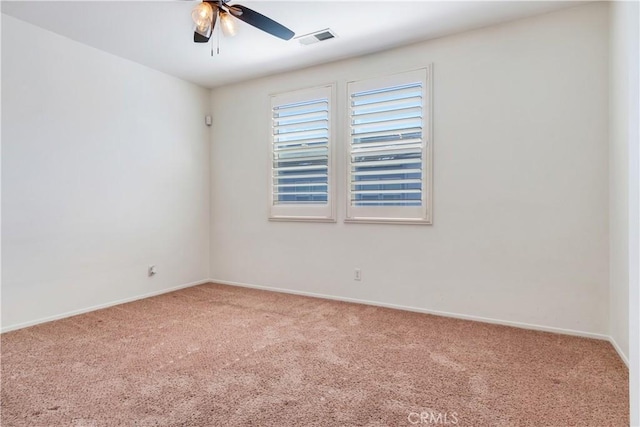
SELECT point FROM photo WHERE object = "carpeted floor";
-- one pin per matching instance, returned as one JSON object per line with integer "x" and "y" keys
{"x": 215, "y": 355}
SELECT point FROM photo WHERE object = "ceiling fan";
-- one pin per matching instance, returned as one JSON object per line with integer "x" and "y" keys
{"x": 206, "y": 14}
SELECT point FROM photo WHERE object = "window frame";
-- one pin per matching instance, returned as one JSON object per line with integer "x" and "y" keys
{"x": 394, "y": 214}
{"x": 300, "y": 212}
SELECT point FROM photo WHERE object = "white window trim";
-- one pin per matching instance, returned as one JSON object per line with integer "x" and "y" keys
{"x": 304, "y": 213}
{"x": 397, "y": 214}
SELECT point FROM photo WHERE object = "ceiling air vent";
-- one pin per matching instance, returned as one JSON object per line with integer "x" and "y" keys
{"x": 318, "y": 36}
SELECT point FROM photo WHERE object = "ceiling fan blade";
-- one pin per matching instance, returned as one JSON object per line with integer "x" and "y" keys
{"x": 199, "y": 38}
{"x": 263, "y": 23}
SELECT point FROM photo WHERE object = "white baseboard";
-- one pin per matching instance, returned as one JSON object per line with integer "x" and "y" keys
{"x": 521, "y": 325}
{"x": 100, "y": 306}
{"x": 619, "y": 351}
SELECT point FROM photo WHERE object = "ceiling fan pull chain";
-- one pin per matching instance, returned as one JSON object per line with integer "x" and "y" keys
{"x": 218, "y": 38}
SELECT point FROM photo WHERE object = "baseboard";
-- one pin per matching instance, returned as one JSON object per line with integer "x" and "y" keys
{"x": 100, "y": 306}
{"x": 521, "y": 325}
{"x": 619, "y": 351}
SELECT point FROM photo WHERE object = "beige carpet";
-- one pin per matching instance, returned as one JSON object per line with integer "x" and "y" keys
{"x": 216, "y": 355}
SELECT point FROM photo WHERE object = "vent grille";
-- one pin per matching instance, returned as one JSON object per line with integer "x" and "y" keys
{"x": 316, "y": 37}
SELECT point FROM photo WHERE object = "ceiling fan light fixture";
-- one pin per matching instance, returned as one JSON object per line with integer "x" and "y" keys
{"x": 204, "y": 30}
{"x": 202, "y": 16}
{"x": 229, "y": 28}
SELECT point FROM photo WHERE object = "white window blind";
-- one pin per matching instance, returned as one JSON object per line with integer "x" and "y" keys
{"x": 389, "y": 175}
{"x": 301, "y": 155}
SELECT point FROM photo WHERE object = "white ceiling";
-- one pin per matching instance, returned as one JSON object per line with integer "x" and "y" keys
{"x": 159, "y": 34}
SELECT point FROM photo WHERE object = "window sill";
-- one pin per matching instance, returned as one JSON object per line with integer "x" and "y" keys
{"x": 402, "y": 221}
{"x": 301, "y": 219}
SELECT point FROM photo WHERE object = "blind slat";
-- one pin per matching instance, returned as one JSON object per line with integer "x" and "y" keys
{"x": 386, "y": 106}
{"x": 305, "y": 161}
{"x": 389, "y": 202}
{"x": 387, "y": 150}
{"x": 299, "y": 202}
{"x": 365, "y": 98}
{"x": 381, "y": 173}
{"x": 385, "y": 182}
{"x": 277, "y": 178}
{"x": 303, "y": 193}
{"x": 301, "y": 168}
{"x": 411, "y": 191}
{"x": 391, "y": 134}
{"x": 302, "y": 156}
{"x": 282, "y": 121}
{"x": 300, "y": 135}
{"x": 298, "y": 109}
{"x": 310, "y": 184}
{"x": 399, "y": 123}
{"x": 402, "y": 141}
{"x": 395, "y": 162}
{"x": 300, "y": 127}
{"x": 378, "y": 115}
{"x": 278, "y": 146}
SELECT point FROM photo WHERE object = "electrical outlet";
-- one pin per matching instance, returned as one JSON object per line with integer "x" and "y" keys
{"x": 357, "y": 274}
{"x": 152, "y": 270}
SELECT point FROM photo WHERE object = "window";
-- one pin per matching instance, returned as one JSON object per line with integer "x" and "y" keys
{"x": 389, "y": 162}
{"x": 301, "y": 155}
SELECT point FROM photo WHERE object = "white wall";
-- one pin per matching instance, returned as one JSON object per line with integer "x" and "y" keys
{"x": 105, "y": 170}
{"x": 520, "y": 229}
{"x": 618, "y": 180}
{"x": 624, "y": 190}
